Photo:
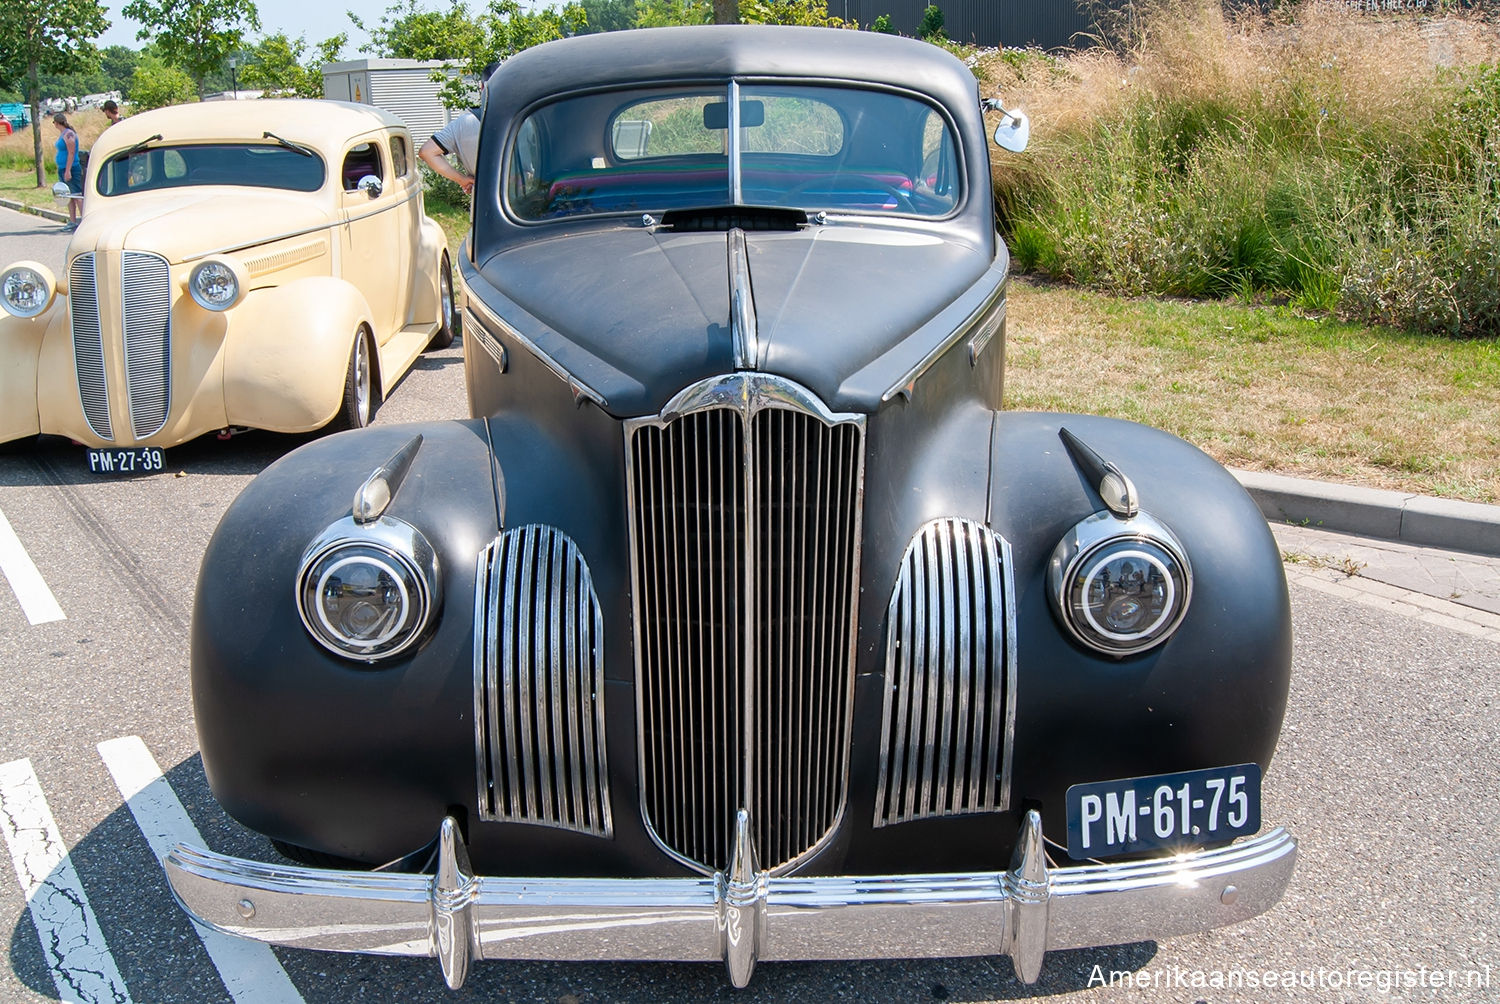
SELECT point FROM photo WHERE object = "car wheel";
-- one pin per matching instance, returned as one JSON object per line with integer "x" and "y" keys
{"x": 361, "y": 388}
{"x": 447, "y": 310}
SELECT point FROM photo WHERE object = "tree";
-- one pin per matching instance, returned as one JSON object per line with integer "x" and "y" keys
{"x": 157, "y": 83}
{"x": 52, "y": 35}
{"x": 608, "y": 15}
{"x": 196, "y": 35}
{"x": 409, "y": 32}
{"x": 277, "y": 65}
{"x": 662, "y": 13}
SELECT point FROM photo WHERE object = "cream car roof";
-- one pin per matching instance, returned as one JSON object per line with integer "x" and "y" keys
{"x": 322, "y": 125}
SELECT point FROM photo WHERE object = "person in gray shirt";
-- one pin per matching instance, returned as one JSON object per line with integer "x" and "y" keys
{"x": 459, "y": 139}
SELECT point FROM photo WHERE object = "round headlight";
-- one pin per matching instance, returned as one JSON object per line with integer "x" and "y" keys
{"x": 26, "y": 288}
{"x": 1120, "y": 586}
{"x": 215, "y": 285}
{"x": 368, "y": 592}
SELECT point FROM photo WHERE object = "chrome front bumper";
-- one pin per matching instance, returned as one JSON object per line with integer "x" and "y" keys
{"x": 738, "y": 917}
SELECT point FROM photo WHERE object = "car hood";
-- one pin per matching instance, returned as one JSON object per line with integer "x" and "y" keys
{"x": 184, "y": 223}
{"x": 637, "y": 314}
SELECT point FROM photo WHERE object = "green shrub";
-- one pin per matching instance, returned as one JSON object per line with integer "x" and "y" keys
{"x": 883, "y": 24}
{"x": 931, "y": 25}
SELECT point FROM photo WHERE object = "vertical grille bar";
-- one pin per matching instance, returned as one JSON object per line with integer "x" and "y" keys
{"x": 88, "y": 345}
{"x": 745, "y": 532}
{"x": 147, "y": 290}
{"x": 540, "y": 685}
{"x": 950, "y": 674}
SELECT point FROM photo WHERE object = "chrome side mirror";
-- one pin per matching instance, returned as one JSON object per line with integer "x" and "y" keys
{"x": 370, "y": 185}
{"x": 1014, "y": 130}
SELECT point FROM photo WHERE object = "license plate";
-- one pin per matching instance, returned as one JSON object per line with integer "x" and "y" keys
{"x": 135, "y": 460}
{"x": 1164, "y": 810}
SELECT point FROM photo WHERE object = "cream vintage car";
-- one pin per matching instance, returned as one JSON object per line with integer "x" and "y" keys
{"x": 261, "y": 264}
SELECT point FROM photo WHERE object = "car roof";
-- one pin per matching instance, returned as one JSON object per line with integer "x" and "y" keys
{"x": 317, "y": 124}
{"x": 714, "y": 52}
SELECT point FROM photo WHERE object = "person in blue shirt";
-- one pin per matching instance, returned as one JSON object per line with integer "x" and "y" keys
{"x": 69, "y": 168}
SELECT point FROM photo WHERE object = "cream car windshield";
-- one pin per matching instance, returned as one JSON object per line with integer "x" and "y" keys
{"x": 813, "y": 148}
{"x": 256, "y": 165}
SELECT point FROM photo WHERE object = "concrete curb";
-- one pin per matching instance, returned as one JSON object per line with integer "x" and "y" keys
{"x": 1372, "y": 512}
{"x": 46, "y": 214}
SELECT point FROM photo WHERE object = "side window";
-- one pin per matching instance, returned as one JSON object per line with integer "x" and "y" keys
{"x": 359, "y": 162}
{"x": 399, "y": 163}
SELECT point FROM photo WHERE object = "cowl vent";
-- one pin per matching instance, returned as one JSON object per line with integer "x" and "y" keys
{"x": 741, "y": 217}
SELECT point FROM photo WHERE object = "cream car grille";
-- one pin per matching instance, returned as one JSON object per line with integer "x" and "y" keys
{"x": 539, "y": 684}
{"x": 146, "y": 307}
{"x": 949, "y": 714}
{"x": 147, "y": 291}
{"x": 745, "y": 551}
{"x": 88, "y": 345}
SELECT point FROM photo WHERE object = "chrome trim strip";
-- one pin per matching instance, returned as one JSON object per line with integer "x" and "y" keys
{"x": 271, "y": 261}
{"x": 88, "y": 345}
{"x": 1016, "y": 912}
{"x": 732, "y": 146}
{"x": 545, "y": 665}
{"x": 488, "y": 317}
{"x": 909, "y": 379}
{"x": 948, "y": 713}
{"x": 743, "y": 327}
{"x": 987, "y": 334}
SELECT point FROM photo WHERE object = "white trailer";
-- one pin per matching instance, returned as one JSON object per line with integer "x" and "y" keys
{"x": 403, "y": 87}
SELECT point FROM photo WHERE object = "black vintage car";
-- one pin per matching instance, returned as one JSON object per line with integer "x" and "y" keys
{"x": 739, "y": 622}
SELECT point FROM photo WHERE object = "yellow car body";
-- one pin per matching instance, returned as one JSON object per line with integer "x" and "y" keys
{"x": 275, "y": 196}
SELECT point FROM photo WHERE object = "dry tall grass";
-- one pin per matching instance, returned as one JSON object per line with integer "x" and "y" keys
{"x": 1314, "y": 156}
{"x": 16, "y": 149}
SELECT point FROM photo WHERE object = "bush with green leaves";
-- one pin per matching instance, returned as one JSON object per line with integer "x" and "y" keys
{"x": 931, "y": 25}
{"x": 156, "y": 84}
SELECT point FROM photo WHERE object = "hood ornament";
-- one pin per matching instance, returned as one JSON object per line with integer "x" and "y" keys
{"x": 742, "y": 324}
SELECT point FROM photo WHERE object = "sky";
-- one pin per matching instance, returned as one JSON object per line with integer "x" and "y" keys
{"x": 317, "y": 20}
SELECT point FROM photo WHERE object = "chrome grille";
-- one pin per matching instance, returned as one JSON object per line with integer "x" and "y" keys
{"x": 147, "y": 291}
{"x": 539, "y": 684}
{"x": 949, "y": 713}
{"x": 745, "y": 549}
{"x": 88, "y": 345}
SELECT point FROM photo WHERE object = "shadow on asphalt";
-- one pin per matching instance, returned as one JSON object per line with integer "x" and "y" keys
{"x": 160, "y": 958}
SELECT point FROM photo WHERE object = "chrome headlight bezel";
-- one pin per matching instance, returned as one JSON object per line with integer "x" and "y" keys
{"x": 1092, "y": 545}
{"x": 31, "y": 275}
{"x": 392, "y": 546}
{"x": 217, "y": 284}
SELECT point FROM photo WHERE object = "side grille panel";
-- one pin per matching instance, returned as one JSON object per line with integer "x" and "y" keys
{"x": 745, "y": 551}
{"x": 690, "y": 532}
{"x": 950, "y": 677}
{"x": 539, "y": 685}
{"x": 88, "y": 345}
{"x": 146, "y": 285}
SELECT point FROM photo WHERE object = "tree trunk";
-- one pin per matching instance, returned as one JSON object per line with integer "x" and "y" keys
{"x": 34, "y": 92}
{"x": 726, "y": 12}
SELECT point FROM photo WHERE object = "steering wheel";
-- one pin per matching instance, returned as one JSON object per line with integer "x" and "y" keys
{"x": 864, "y": 182}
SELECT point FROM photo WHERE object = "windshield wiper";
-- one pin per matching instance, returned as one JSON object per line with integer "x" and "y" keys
{"x": 298, "y": 147}
{"x": 139, "y": 146}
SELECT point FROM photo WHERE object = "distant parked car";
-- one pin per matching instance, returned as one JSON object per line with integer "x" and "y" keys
{"x": 264, "y": 264}
{"x": 741, "y": 622}
{"x": 17, "y": 113}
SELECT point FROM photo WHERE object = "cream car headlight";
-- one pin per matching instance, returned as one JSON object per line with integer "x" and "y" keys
{"x": 217, "y": 284}
{"x": 27, "y": 288}
{"x": 370, "y": 591}
{"x": 1120, "y": 586}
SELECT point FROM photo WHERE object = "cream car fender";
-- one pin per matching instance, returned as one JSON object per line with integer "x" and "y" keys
{"x": 20, "y": 356}
{"x": 286, "y": 353}
{"x": 425, "y": 297}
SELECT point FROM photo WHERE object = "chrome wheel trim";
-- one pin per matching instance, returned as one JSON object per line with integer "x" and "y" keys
{"x": 362, "y": 380}
{"x": 445, "y": 294}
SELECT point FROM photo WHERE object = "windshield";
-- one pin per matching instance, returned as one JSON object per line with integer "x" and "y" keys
{"x": 260, "y": 165}
{"x": 834, "y": 149}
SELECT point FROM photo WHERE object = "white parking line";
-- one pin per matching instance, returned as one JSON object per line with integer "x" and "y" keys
{"x": 72, "y": 941}
{"x": 37, "y": 601}
{"x": 249, "y": 969}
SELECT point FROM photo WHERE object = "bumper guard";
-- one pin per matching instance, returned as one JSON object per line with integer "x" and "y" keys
{"x": 739, "y": 917}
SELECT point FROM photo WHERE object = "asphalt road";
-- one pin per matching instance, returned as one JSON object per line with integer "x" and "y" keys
{"x": 1388, "y": 771}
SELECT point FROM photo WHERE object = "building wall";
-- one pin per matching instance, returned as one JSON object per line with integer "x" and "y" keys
{"x": 1012, "y": 23}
